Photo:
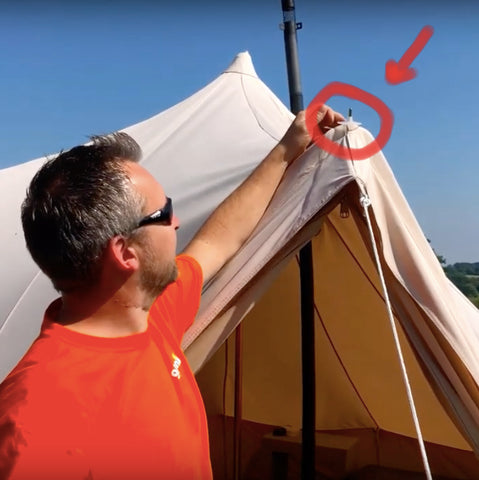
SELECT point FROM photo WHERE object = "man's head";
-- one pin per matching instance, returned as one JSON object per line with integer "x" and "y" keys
{"x": 80, "y": 200}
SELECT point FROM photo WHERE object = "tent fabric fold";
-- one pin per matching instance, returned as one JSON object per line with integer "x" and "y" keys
{"x": 203, "y": 148}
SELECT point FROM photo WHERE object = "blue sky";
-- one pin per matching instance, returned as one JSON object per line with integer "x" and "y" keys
{"x": 70, "y": 69}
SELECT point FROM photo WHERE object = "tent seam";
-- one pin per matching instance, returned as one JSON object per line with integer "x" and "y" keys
{"x": 243, "y": 89}
{"x": 17, "y": 303}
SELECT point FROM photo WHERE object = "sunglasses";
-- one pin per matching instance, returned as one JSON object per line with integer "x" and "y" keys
{"x": 163, "y": 216}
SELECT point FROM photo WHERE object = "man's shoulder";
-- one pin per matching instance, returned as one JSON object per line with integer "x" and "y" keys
{"x": 186, "y": 263}
{"x": 178, "y": 304}
{"x": 24, "y": 395}
{"x": 37, "y": 374}
{"x": 32, "y": 374}
{"x": 188, "y": 281}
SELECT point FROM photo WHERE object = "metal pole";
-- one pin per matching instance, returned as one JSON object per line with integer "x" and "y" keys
{"x": 305, "y": 263}
{"x": 289, "y": 28}
{"x": 238, "y": 402}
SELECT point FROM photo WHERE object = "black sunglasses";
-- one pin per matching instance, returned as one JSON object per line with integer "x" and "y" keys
{"x": 163, "y": 216}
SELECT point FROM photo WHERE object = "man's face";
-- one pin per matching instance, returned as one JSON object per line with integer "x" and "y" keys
{"x": 156, "y": 243}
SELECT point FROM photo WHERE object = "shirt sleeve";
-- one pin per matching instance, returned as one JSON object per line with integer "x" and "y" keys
{"x": 178, "y": 304}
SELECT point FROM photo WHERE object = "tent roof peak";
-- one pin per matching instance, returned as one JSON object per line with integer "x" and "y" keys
{"x": 243, "y": 64}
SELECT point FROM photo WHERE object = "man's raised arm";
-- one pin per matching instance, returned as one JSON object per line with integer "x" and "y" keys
{"x": 229, "y": 226}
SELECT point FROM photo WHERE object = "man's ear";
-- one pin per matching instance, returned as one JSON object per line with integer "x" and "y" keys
{"x": 122, "y": 254}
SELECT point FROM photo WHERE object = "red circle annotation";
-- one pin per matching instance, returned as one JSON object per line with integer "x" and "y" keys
{"x": 355, "y": 93}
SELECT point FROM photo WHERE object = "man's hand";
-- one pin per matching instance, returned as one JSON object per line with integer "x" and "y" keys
{"x": 328, "y": 118}
{"x": 297, "y": 138}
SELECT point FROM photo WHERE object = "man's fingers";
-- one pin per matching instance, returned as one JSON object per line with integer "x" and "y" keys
{"x": 338, "y": 117}
{"x": 328, "y": 118}
{"x": 321, "y": 113}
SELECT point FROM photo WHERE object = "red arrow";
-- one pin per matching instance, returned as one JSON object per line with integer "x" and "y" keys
{"x": 398, "y": 72}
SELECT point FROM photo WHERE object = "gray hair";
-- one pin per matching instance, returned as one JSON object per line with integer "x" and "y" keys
{"x": 76, "y": 203}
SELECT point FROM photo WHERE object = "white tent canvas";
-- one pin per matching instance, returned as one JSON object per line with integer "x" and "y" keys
{"x": 200, "y": 150}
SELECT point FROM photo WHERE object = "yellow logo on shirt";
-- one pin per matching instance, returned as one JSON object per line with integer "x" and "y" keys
{"x": 176, "y": 366}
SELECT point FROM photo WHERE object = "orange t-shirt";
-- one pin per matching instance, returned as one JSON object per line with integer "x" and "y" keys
{"x": 92, "y": 408}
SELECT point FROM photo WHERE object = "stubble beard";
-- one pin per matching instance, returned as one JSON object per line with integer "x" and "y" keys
{"x": 155, "y": 276}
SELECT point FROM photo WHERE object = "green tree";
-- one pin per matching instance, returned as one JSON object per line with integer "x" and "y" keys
{"x": 464, "y": 275}
{"x": 463, "y": 283}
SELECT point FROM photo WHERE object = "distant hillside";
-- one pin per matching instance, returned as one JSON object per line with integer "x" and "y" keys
{"x": 466, "y": 278}
{"x": 466, "y": 268}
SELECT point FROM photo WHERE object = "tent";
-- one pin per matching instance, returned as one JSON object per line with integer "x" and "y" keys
{"x": 200, "y": 150}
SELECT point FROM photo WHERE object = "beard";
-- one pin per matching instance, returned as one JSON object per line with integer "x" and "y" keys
{"x": 155, "y": 275}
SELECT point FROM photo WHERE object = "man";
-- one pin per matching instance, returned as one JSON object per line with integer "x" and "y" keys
{"x": 105, "y": 391}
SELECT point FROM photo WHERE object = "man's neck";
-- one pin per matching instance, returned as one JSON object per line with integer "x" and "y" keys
{"x": 104, "y": 315}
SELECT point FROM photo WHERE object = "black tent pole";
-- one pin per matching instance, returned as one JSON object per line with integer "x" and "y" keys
{"x": 289, "y": 27}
